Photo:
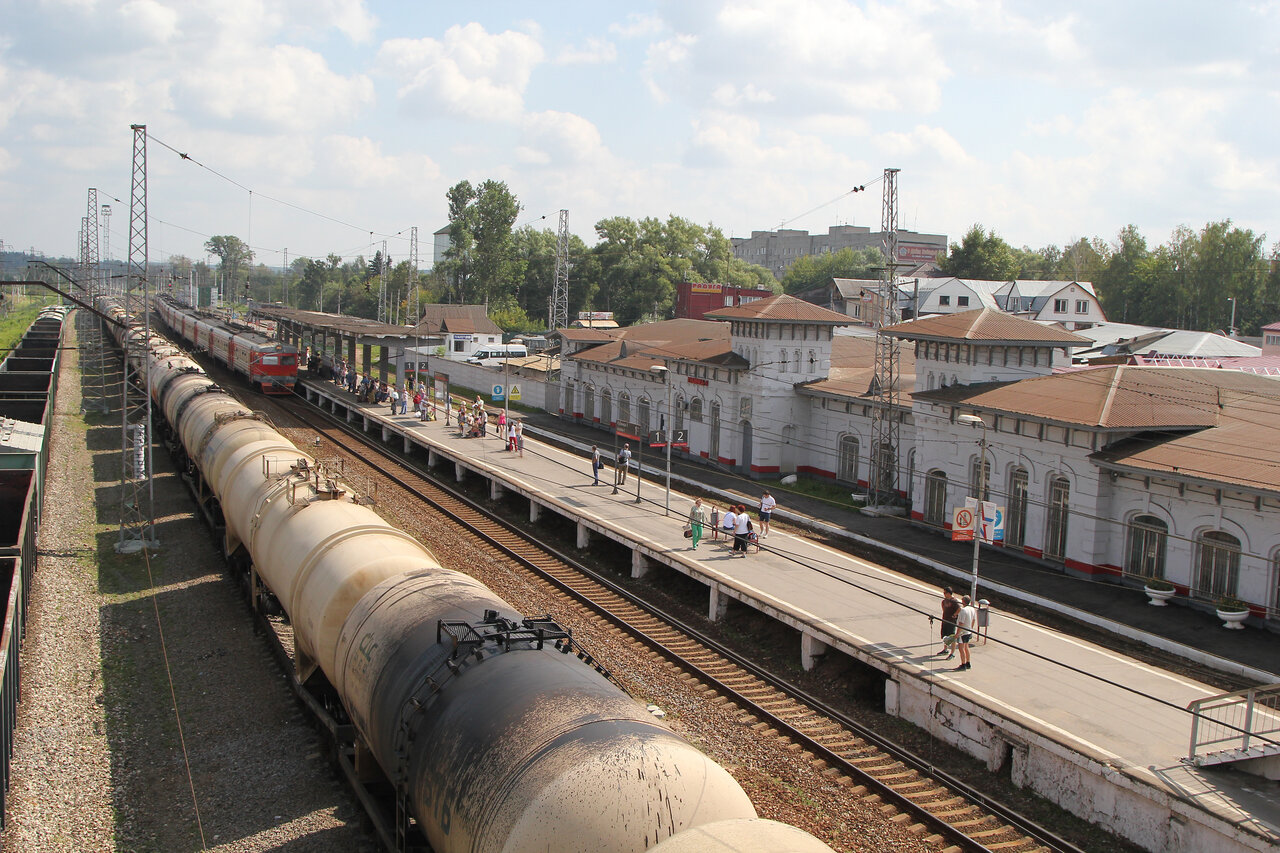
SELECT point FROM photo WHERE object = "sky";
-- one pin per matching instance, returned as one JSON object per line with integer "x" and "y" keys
{"x": 329, "y": 126}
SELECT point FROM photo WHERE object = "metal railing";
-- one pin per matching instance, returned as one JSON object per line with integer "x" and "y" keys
{"x": 1235, "y": 726}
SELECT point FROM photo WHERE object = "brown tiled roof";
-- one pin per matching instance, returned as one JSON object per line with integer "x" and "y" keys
{"x": 984, "y": 324}
{"x": 1243, "y": 448}
{"x": 1112, "y": 397}
{"x": 853, "y": 367}
{"x": 781, "y": 308}
{"x": 436, "y": 315}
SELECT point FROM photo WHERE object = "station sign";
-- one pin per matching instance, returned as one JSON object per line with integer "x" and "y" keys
{"x": 498, "y": 393}
{"x": 626, "y": 429}
{"x": 982, "y": 518}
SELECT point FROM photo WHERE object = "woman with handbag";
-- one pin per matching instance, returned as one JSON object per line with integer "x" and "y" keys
{"x": 697, "y": 519}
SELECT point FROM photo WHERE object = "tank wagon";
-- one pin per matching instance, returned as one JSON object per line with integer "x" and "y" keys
{"x": 271, "y": 366}
{"x": 494, "y": 737}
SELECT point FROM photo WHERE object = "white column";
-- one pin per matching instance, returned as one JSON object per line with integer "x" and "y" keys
{"x": 811, "y": 648}
{"x": 639, "y": 564}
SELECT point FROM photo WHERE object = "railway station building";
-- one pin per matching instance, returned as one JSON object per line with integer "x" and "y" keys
{"x": 1120, "y": 472}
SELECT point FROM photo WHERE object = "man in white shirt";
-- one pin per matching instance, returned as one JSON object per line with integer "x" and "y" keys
{"x": 767, "y": 503}
{"x": 728, "y": 522}
{"x": 742, "y": 520}
{"x": 966, "y": 621}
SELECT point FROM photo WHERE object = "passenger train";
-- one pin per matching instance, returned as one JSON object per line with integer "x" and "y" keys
{"x": 493, "y": 736}
{"x": 271, "y": 366}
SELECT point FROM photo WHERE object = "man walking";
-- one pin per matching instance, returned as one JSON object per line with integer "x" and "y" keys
{"x": 767, "y": 503}
{"x": 965, "y": 623}
{"x": 596, "y": 462}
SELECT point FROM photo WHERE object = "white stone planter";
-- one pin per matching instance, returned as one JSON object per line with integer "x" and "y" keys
{"x": 1159, "y": 596}
{"x": 1231, "y": 619}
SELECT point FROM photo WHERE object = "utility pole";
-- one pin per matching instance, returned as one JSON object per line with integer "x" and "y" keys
{"x": 137, "y": 506}
{"x": 884, "y": 420}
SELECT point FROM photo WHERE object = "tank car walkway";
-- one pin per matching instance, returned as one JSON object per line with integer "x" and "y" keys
{"x": 1097, "y": 732}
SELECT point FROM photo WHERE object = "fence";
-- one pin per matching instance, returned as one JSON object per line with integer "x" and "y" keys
{"x": 1235, "y": 726}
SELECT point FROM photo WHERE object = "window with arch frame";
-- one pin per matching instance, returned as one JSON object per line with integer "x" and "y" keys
{"x": 935, "y": 497}
{"x": 1217, "y": 568}
{"x": 1145, "y": 551}
{"x": 695, "y": 409}
{"x": 1057, "y": 518}
{"x": 624, "y": 407}
{"x": 850, "y": 448}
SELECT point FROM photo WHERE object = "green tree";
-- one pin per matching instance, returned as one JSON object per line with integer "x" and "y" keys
{"x": 981, "y": 255}
{"x": 232, "y": 254}
{"x": 812, "y": 271}
{"x": 478, "y": 263}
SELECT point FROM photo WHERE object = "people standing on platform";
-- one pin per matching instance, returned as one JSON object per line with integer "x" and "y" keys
{"x": 715, "y": 523}
{"x": 484, "y": 423}
{"x": 966, "y": 622}
{"x": 395, "y": 399}
{"x": 728, "y": 522}
{"x": 519, "y": 439}
{"x": 767, "y": 503}
{"x": 502, "y": 424}
{"x": 697, "y": 519}
{"x": 352, "y": 376}
{"x": 596, "y": 464}
{"x": 624, "y": 461}
{"x": 984, "y": 620}
{"x": 950, "y": 608}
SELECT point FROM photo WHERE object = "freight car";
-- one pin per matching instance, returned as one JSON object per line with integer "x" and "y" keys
{"x": 492, "y": 736}
{"x": 271, "y": 366}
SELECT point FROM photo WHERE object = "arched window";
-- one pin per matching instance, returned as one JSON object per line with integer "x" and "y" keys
{"x": 1015, "y": 519}
{"x": 714, "y": 442}
{"x": 799, "y": 366}
{"x": 782, "y": 362}
{"x": 933, "y": 381}
{"x": 644, "y": 408}
{"x": 678, "y": 416}
{"x": 1217, "y": 564}
{"x": 813, "y": 362}
{"x": 935, "y": 498}
{"x": 911, "y": 473}
{"x": 624, "y": 407}
{"x": 849, "y": 449}
{"x": 606, "y": 407}
{"x": 1055, "y": 546}
{"x": 1145, "y": 552}
{"x": 589, "y": 403}
{"x": 886, "y": 468}
{"x": 695, "y": 410}
{"x": 980, "y": 477}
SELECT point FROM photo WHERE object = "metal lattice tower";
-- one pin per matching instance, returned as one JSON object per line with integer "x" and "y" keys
{"x": 106, "y": 247}
{"x": 560, "y": 290}
{"x": 93, "y": 342}
{"x": 413, "y": 274}
{"x": 884, "y": 420}
{"x": 137, "y": 497}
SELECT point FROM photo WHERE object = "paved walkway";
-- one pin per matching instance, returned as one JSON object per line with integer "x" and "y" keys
{"x": 1112, "y": 709}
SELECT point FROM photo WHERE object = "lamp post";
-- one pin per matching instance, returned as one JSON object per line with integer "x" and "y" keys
{"x": 666, "y": 377}
{"x": 975, "y": 420}
{"x": 1231, "y": 330}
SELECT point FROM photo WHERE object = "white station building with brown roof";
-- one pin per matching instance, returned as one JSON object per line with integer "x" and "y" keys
{"x": 1114, "y": 471}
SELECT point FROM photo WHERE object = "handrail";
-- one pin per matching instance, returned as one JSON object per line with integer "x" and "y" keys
{"x": 1236, "y": 721}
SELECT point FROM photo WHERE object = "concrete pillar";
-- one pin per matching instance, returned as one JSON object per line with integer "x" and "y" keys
{"x": 384, "y": 365}
{"x": 639, "y": 564}
{"x": 366, "y": 422}
{"x": 495, "y": 489}
{"x": 408, "y": 445}
{"x": 386, "y": 433}
{"x": 432, "y": 457}
{"x": 351, "y": 414}
{"x": 719, "y": 603}
{"x": 366, "y": 359}
{"x": 351, "y": 351}
{"x": 584, "y": 536}
{"x": 811, "y": 648}
{"x": 535, "y": 511}
{"x": 459, "y": 471}
{"x": 892, "y": 693}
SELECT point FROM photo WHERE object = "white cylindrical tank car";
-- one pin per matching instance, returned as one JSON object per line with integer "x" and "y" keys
{"x": 495, "y": 737}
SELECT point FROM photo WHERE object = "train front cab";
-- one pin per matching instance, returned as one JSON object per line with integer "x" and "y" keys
{"x": 274, "y": 372}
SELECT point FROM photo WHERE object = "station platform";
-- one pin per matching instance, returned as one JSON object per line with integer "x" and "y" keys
{"x": 1101, "y": 734}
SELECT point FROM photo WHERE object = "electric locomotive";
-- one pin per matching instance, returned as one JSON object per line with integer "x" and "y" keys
{"x": 270, "y": 365}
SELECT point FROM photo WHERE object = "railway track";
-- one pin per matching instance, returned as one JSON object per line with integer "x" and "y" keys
{"x": 904, "y": 787}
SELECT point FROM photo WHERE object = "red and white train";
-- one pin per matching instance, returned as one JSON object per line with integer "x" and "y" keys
{"x": 270, "y": 365}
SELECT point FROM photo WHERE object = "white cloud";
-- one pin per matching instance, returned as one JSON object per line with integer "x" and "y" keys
{"x": 156, "y": 22}
{"x": 470, "y": 72}
{"x": 361, "y": 163}
{"x": 558, "y": 137}
{"x": 596, "y": 51}
{"x": 281, "y": 85}
{"x": 729, "y": 95}
{"x": 934, "y": 143}
{"x": 7, "y": 161}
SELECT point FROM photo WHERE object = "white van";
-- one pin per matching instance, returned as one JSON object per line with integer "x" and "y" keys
{"x": 493, "y": 355}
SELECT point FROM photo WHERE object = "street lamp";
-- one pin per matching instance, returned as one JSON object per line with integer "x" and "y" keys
{"x": 666, "y": 377}
{"x": 975, "y": 420}
{"x": 1231, "y": 330}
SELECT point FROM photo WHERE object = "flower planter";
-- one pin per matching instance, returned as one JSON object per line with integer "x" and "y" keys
{"x": 1159, "y": 596}
{"x": 1231, "y": 619}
